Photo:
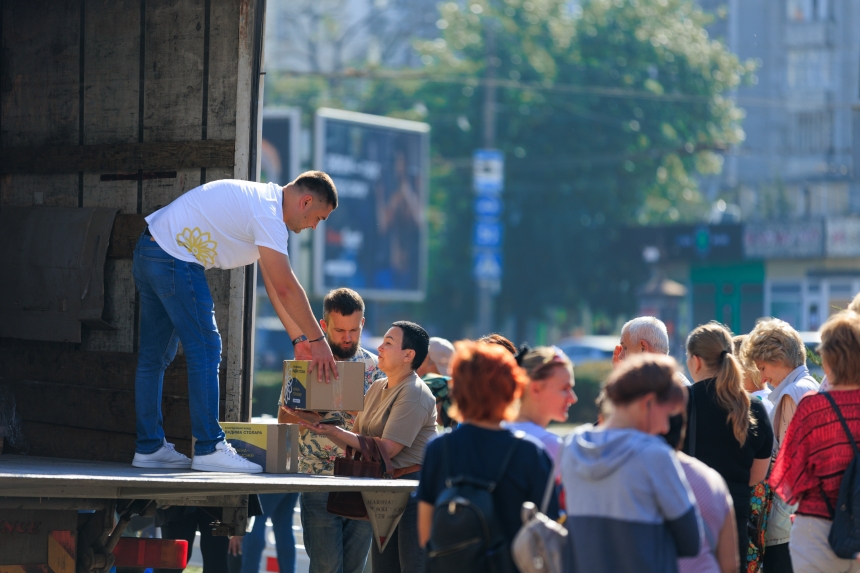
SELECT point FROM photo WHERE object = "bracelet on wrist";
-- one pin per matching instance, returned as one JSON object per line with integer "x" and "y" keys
{"x": 299, "y": 339}
{"x": 318, "y": 339}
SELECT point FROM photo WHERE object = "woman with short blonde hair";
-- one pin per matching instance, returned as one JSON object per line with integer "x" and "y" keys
{"x": 816, "y": 452}
{"x": 778, "y": 352}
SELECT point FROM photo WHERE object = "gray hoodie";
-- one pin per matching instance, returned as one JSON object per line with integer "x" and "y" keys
{"x": 629, "y": 506}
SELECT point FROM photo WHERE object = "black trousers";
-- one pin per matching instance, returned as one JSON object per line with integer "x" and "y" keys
{"x": 184, "y": 525}
{"x": 777, "y": 559}
{"x": 742, "y": 515}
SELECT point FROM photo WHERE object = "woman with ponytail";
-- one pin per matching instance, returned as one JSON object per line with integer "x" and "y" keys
{"x": 724, "y": 429}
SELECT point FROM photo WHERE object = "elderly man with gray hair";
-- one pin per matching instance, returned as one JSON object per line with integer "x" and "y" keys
{"x": 640, "y": 335}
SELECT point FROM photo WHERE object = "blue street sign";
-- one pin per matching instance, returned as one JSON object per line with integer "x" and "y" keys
{"x": 488, "y": 206}
{"x": 488, "y": 171}
{"x": 488, "y": 265}
{"x": 488, "y": 233}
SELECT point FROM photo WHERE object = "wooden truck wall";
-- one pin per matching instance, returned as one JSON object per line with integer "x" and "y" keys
{"x": 123, "y": 104}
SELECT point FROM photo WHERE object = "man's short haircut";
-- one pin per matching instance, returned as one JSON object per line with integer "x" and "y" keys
{"x": 320, "y": 184}
{"x": 343, "y": 301}
{"x": 414, "y": 338}
{"x": 651, "y": 330}
{"x": 775, "y": 341}
{"x": 840, "y": 347}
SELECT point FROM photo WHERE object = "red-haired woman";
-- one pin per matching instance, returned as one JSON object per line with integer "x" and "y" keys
{"x": 486, "y": 384}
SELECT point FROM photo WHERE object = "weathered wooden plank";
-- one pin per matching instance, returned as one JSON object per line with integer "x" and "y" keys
{"x": 57, "y": 441}
{"x": 106, "y": 410}
{"x": 119, "y": 194}
{"x": 111, "y": 72}
{"x": 173, "y": 81}
{"x": 123, "y": 238}
{"x": 158, "y": 193}
{"x": 118, "y": 311}
{"x": 41, "y": 73}
{"x": 223, "y": 71}
{"x": 119, "y": 158}
{"x": 64, "y": 364}
{"x": 47, "y": 190}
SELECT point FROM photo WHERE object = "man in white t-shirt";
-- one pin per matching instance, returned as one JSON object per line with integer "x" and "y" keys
{"x": 224, "y": 224}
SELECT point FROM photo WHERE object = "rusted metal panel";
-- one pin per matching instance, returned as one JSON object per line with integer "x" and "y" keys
{"x": 53, "y": 260}
{"x": 25, "y": 534}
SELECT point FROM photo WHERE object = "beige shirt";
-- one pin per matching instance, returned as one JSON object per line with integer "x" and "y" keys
{"x": 405, "y": 414}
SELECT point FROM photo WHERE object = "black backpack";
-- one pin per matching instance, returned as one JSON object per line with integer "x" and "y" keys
{"x": 844, "y": 535}
{"x": 466, "y": 536}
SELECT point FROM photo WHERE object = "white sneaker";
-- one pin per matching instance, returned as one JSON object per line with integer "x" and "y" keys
{"x": 165, "y": 457}
{"x": 225, "y": 459}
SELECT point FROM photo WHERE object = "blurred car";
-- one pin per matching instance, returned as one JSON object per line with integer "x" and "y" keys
{"x": 585, "y": 349}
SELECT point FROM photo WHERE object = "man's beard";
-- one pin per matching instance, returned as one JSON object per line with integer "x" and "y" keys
{"x": 340, "y": 352}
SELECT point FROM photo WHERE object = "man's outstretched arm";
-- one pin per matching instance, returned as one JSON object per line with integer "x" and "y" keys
{"x": 284, "y": 289}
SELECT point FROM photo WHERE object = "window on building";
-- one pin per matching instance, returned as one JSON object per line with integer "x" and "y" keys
{"x": 812, "y": 132}
{"x": 841, "y": 295}
{"x": 807, "y": 10}
{"x": 786, "y": 303}
{"x": 809, "y": 68}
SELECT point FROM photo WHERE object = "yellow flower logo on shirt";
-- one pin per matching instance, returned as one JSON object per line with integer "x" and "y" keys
{"x": 199, "y": 244}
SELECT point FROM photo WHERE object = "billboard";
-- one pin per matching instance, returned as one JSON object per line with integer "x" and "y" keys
{"x": 279, "y": 153}
{"x": 781, "y": 240}
{"x": 376, "y": 240}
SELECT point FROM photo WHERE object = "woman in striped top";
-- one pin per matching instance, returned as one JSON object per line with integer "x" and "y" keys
{"x": 815, "y": 451}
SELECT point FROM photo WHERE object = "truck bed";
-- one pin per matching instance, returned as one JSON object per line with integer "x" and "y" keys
{"x": 33, "y": 477}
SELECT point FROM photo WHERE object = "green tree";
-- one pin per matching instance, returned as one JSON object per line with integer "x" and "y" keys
{"x": 607, "y": 111}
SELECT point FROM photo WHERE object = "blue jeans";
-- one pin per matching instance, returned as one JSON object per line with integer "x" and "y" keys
{"x": 279, "y": 508}
{"x": 175, "y": 305}
{"x": 334, "y": 544}
{"x": 403, "y": 554}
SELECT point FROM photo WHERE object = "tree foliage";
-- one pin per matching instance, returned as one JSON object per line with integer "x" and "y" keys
{"x": 607, "y": 111}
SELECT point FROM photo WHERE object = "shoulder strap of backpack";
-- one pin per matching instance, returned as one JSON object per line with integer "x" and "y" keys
{"x": 842, "y": 421}
{"x": 506, "y": 460}
{"x": 847, "y": 430}
{"x": 550, "y": 483}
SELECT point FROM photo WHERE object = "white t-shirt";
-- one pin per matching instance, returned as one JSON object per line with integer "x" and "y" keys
{"x": 221, "y": 224}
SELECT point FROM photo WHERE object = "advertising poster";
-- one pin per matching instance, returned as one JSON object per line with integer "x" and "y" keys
{"x": 376, "y": 240}
{"x": 279, "y": 153}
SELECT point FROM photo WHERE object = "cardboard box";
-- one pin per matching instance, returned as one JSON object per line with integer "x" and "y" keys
{"x": 302, "y": 391}
{"x": 273, "y": 446}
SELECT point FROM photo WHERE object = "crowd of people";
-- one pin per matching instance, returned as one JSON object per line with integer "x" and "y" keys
{"x": 748, "y": 466}
{"x": 735, "y": 469}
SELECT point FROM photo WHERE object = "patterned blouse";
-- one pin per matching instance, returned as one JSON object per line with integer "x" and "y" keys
{"x": 317, "y": 452}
